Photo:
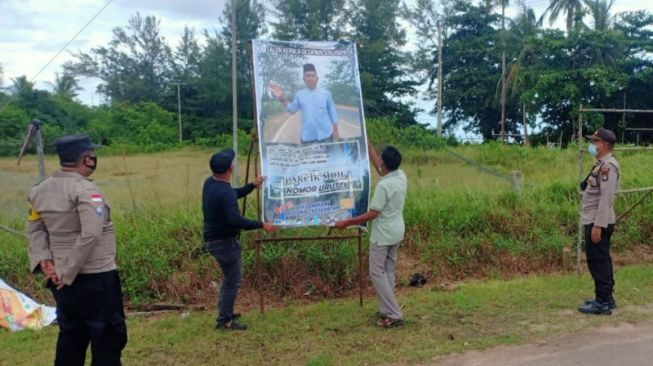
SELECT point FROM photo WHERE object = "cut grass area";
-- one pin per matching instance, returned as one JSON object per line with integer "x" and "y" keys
{"x": 473, "y": 315}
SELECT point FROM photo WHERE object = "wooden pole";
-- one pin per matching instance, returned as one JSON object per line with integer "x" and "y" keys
{"x": 39, "y": 152}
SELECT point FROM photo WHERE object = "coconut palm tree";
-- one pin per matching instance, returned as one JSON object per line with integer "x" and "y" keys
{"x": 570, "y": 7}
{"x": 600, "y": 12}
{"x": 65, "y": 85}
{"x": 21, "y": 86}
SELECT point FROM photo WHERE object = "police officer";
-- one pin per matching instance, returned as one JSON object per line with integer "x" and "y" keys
{"x": 72, "y": 241}
{"x": 598, "y": 219}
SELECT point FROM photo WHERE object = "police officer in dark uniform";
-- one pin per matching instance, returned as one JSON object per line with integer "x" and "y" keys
{"x": 72, "y": 241}
{"x": 598, "y": 219}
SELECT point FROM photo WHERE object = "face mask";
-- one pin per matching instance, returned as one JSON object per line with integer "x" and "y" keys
{"x": 592, "y": 150}
{"x": 92, "y": 167}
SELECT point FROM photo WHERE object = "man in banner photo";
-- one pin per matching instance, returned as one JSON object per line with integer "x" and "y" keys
{"x": 319, "y": 115}
{"x": 316, "y": 161}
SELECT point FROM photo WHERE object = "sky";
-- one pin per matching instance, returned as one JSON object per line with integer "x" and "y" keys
{"x": 33, "y": 31}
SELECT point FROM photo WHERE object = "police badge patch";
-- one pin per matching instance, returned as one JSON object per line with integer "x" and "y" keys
{"x": 605, "y": 174}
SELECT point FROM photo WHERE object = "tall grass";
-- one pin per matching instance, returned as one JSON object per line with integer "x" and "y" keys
{"x": 461, "y": 222}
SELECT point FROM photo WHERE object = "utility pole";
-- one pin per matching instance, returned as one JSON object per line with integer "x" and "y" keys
{"x": 503, "y": 71}
{"x": 234, "y": 89}
{"x": 440, "y": 95}
{"x": 179, "y": 107}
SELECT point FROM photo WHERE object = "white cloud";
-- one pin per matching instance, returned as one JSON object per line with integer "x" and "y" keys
{"x": 33, "y": 31}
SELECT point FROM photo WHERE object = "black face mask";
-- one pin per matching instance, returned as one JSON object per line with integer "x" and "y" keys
{"x": 92, "y": 167}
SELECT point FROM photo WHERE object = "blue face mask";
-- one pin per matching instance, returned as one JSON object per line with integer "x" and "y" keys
{"x": 592, "y": 150}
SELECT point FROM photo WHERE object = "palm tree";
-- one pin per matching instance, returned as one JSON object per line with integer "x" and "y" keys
{"x": 556, "y": 7}
{"x": 65, "y": 85}
{"x": 600, "y": 12}
{"x": 504, "y": 4}
{"x": 524, "y": 27}
{"x": 21, "y": 86}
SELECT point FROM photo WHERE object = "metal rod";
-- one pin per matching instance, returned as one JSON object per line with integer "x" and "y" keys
{"x": 633, "y": 206}
{"x": 12, "y": 231}
{"x": 638, "y": 129}
{"x": 608, "y": 110}
{"x": 625, "y": 148}
{"x": 306, "y": 238}
{"x": 635, "y": 190}
{"x": 360, "y": 267}
{"x": 249, "y": 158}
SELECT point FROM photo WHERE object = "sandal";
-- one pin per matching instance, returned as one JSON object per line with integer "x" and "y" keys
{"x": 389, "y": 322}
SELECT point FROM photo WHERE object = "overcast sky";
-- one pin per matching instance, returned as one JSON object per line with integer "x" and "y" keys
{"x": 33, "y": 31}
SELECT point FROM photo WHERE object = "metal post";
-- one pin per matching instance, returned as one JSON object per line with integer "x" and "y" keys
{"x": 360, "y": 267}
{"x": 234, "y": 88}
{"x": 517, "y": 180}
{"x": 440, "y": 94}
{"x": 259, "y": 273}
{"x": 580, "y": 177}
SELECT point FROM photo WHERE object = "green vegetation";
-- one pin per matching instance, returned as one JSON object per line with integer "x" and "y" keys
{"x": 439, "y": 321}
{"x": 462, "y": 222}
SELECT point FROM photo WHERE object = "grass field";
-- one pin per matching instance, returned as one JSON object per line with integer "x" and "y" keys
{"x": 462, "y": 222}
{"x": 439, "y": 321}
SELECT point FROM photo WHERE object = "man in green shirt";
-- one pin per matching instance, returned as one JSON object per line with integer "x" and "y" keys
{"x": 386, "y": 212}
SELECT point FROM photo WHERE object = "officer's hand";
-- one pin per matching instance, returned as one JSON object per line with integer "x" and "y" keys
{"x": 596, "y": 234}
{"x": 269, "y": 228}
{"x": 336, "y": 135}
{"x": 341, "y": 224}
{"x": 258, "y": 181}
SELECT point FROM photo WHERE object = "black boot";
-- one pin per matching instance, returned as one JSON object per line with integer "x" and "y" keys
{"x": 597, "y": 307}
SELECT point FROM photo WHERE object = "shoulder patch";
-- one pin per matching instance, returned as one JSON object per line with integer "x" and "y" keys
{"x": 32, "y": 215}
{"x": 96, "y": 198}
{"x": 605, "y": 173}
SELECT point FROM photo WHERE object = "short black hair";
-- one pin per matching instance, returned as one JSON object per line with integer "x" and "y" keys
{"x": 391, "y": 158}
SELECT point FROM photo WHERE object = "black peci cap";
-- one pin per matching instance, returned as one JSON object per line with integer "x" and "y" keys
{"x": 70, "y": 148}
{"x": 603, "y": 134}
{"x": 221, "y": 161}
{"x": 309, "y": 67}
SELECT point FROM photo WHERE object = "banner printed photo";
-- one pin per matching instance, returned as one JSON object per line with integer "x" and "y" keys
{"x": 312, "y": 136}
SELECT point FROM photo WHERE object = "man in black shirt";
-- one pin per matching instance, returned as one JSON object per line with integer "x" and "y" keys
{"x": 222, "y": 224}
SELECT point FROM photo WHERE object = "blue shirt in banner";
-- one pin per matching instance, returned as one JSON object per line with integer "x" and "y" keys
{"x": 318, "y": 113}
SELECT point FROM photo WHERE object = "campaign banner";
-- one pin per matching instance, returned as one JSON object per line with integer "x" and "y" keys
{"x": 311, "y": 131}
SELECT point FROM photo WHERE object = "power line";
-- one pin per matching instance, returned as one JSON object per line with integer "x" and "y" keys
{"x": 13, "y": 97}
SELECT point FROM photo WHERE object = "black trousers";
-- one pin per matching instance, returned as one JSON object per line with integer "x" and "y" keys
{"x": 90, "y": 310}
{"x": 599, "y": 262}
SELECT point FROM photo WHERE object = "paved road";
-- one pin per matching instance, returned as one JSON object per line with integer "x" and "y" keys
{"x": 624, "y": 345}
{"x": 285, "y": 128}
